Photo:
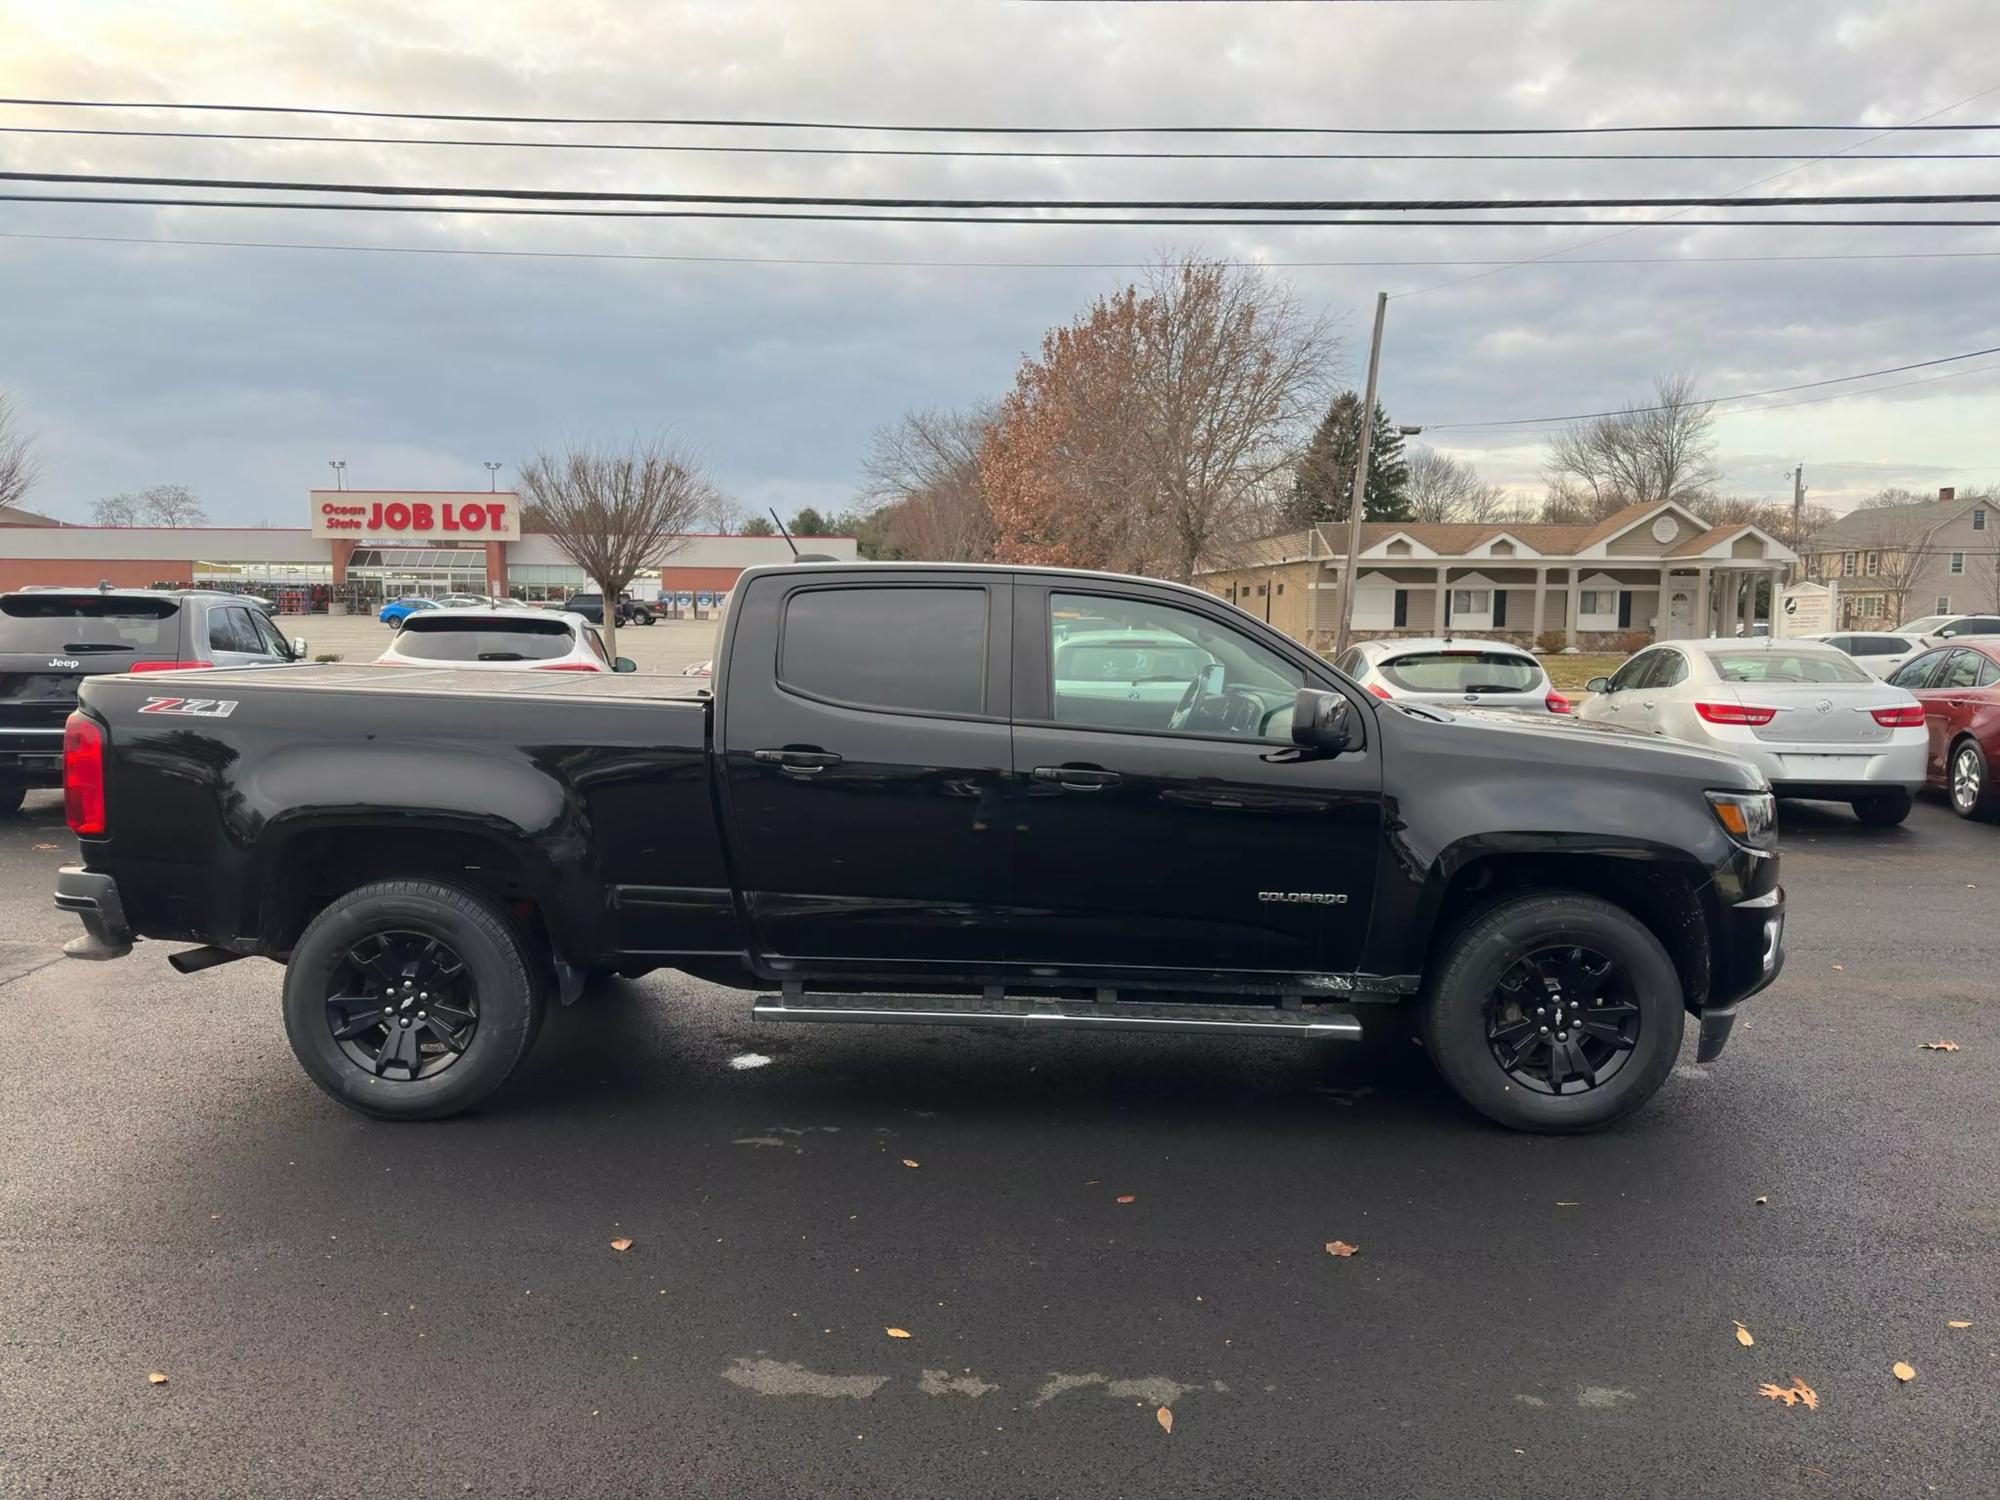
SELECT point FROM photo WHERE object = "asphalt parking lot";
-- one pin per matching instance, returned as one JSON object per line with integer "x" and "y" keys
{"x": 344, "y": 1307}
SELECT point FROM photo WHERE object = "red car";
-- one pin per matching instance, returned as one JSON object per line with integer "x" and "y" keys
{"x": 1959, "y": 687}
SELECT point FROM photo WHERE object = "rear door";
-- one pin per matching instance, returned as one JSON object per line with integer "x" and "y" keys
{"x": 864, "y": 740}
{"x": 1182, "y": 836}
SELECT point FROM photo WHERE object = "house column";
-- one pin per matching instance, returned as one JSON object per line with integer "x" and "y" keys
{"x": 1702, "y": 627}
{"x": 1572, "y": 607}
{"x": 1541, "y": 588}
{"x": 1747, "y": 582}
{"x": 1437, "y": 603}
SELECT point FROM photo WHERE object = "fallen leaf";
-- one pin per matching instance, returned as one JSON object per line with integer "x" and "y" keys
{"x": 909, "y": 1163}
{"x": 1795, "y": 1394}
{"x": 1762, "y": 1199}
{"x": 1842, "y": 968}
{"x": 154, "y": 1377}
{"x": 1340, "y": 1248}
{"x": 1128, "y": 1197}
{"x": 1743, "y": 1336}
{"x": 897, "y": 1333}
{"x": 1958, "y": 1323}
{"x": 1939, "y": 1046}
{"x": 1165, "y": 1418}
{"x": 621, "y": 1245}
{"x": 1904, "y": 1371}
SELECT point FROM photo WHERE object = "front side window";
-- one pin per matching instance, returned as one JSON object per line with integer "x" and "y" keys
{"x": 1633, "y": 672}
{"x": 1136, "y": 664}
{"x": 1917, "y": 673}
{"x": 231, "y": 630}
{"x": 921, "y": 650}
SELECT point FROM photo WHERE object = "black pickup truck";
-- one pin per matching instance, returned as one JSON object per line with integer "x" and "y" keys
{"x": 931, "y": 793}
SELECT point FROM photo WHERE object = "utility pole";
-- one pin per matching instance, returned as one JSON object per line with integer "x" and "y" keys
{"x": 1799, "y": 516}
{"x": 1352, "y": 576}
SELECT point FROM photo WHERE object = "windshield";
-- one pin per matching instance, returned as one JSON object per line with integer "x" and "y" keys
{"x": 85, "y": 623}
{"x": 444, "y": 638}
{"x": 1463, "y": 672}
{"x": 1926, "y": 625}
{"x": 1785, "y": 666}
{"x": 1139, "y": 660}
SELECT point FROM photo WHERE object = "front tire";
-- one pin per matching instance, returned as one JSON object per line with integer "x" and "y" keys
{"x": 1554, "y": 1013}
{"x": 411, "y": 999}
{"x": 1970, "y": 782}
{"x": 1885, "y": 810}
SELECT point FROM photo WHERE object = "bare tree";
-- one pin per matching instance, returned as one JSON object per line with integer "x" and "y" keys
{"x": 19, "y": 467}
{"x": 925, "y": 467}
{"x": 1233, "y": 370}
{"x": 171, "y": 505}
{"x": 115, "y": 510}
{"x": 1662, "y": 450}
{"x": 1443, "y": 488}
{"x": 722, "y": 514}
{"x": 614, "y": 512}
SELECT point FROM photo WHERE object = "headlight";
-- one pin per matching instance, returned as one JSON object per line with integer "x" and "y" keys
{"x": 1749, "y": 817}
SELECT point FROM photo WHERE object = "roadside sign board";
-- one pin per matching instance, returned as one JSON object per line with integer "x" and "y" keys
{"x": 1808, "y": 609}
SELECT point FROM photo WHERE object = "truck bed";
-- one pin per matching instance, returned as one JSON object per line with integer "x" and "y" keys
{"x": 453, "y": 681}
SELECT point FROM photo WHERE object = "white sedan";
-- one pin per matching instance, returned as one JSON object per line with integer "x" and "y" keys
{"x": 505, "y": 640}
{"x": 1802, "y": 712}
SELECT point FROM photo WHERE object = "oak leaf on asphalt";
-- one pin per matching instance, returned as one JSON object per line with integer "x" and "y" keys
{"x": 911, "y": 1162}
{"x": 1128, "y": 1197}
{"x": 1798, "y": 1393}
{"x": 1165, "y": 1417}
{"x": 1904, "y": 1371}
{"x": 897, "y": 1333}
{"x": 1743, "y": 1336}
{"x": 1958, "y": 1323}
{"x": 621, "y": 1245}
{"x": 1340, "y": 1248}
{"x": 154, "y": 1377}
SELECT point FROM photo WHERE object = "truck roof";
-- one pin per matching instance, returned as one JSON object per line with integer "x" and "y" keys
{"x": 391, "y": 678}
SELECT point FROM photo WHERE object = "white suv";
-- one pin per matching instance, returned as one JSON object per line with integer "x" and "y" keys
{"x": 1453, "y": 672}
{"x": 505, "y": 640}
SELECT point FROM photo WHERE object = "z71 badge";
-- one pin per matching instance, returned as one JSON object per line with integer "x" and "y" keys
{"x": 193, "y": 708}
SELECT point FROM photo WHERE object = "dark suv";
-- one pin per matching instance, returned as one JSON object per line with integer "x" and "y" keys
{"x": 591, "y": 607}
{"x": 51, "y": 639}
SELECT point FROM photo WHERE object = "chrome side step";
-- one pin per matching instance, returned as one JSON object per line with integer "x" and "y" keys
{"x": 1309, "y": 1022}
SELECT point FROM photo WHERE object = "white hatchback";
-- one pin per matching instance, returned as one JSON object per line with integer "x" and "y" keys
{"x": 502, "y": 640}
{"x": 1453, "y": 672}
{"x": 1802, "y": 712}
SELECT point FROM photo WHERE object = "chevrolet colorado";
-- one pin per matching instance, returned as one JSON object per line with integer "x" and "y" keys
{"x": 932, "y": 793}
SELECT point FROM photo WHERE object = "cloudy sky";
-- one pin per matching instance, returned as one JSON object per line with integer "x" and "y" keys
{"x": 776, "y": 349}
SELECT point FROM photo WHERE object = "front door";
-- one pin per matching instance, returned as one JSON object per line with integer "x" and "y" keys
{"x": 865, "y": 750}
{"x": 1680, "y": 614}
{"x": 1166, "y": 826}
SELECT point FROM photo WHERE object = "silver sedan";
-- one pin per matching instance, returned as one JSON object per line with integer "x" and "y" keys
{"x": 1802, "y": 712}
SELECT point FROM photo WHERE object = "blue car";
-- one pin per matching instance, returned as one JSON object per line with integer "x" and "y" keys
{"x": 398, "y": 610}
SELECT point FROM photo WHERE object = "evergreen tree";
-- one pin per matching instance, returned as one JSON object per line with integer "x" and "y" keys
{"x": 1324, "y": 480}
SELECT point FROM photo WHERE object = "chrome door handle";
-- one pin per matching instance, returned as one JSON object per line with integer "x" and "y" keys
{"x": 1076, "y": 778}
{"x": 806, "y": 761}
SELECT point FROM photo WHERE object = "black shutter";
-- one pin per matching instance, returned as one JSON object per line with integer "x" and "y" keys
{"x": 1447, "y": 606}
{"x": 1402, "y": 608}
{"x": 1624, "y": 609}
{"x": 1499, "y": 608}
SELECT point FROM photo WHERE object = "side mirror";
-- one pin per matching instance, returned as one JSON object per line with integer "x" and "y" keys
{"x": 1598, "y": 685}
{"x": 1323, "y": 721}
{"x": 299, "y": 648}
{"x": 624, "y": 664}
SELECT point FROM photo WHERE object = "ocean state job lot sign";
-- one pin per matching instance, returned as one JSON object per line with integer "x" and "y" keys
{"x": 437, "y": 516}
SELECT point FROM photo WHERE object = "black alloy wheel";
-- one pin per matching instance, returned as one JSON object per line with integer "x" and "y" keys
{"x": 1562, "y": 1020}
{"x": 402, "y": 1005}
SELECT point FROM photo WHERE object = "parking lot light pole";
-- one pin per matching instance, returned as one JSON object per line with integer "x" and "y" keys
{"x": 1354, "y": 505}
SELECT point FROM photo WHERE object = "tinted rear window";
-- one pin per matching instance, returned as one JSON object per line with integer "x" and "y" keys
{"x": 1784, "y": 666}
{"x": 441, "y": 638}
{"x": 904, "y": 648}
{"x": 1463, "y": 672}
{"x": 94, "y": 623}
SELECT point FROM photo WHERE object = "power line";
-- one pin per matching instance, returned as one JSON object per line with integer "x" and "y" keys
{"x": 1777, "y": 390}
{"x": 765, "y": 124}
{"x": 835, "y": 200}
{"x": 969, "y": 265}
{"x": 922, "y": 152}
{"x": 1148, "y": 221}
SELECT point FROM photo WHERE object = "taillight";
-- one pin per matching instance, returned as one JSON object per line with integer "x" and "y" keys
{"x": 1735, "y": 713}
{"x": 83, "y": 775}
{"x": 1903, "y": 716}
{"x": 568, "y": 666}
{"x": 170, "y": 666}
{"x": 1378, "y": 690}
{"x": 1557, "y": 703}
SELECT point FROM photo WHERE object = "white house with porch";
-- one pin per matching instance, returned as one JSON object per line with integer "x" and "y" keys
{"x": 1658, "y": 569}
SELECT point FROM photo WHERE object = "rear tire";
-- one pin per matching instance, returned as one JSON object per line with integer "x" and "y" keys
{"x": 1969, "y": 780}
{"x": 1884, "y": 811}
{"x": 1550, "y": 947}
{"x": 345, "y": 970}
